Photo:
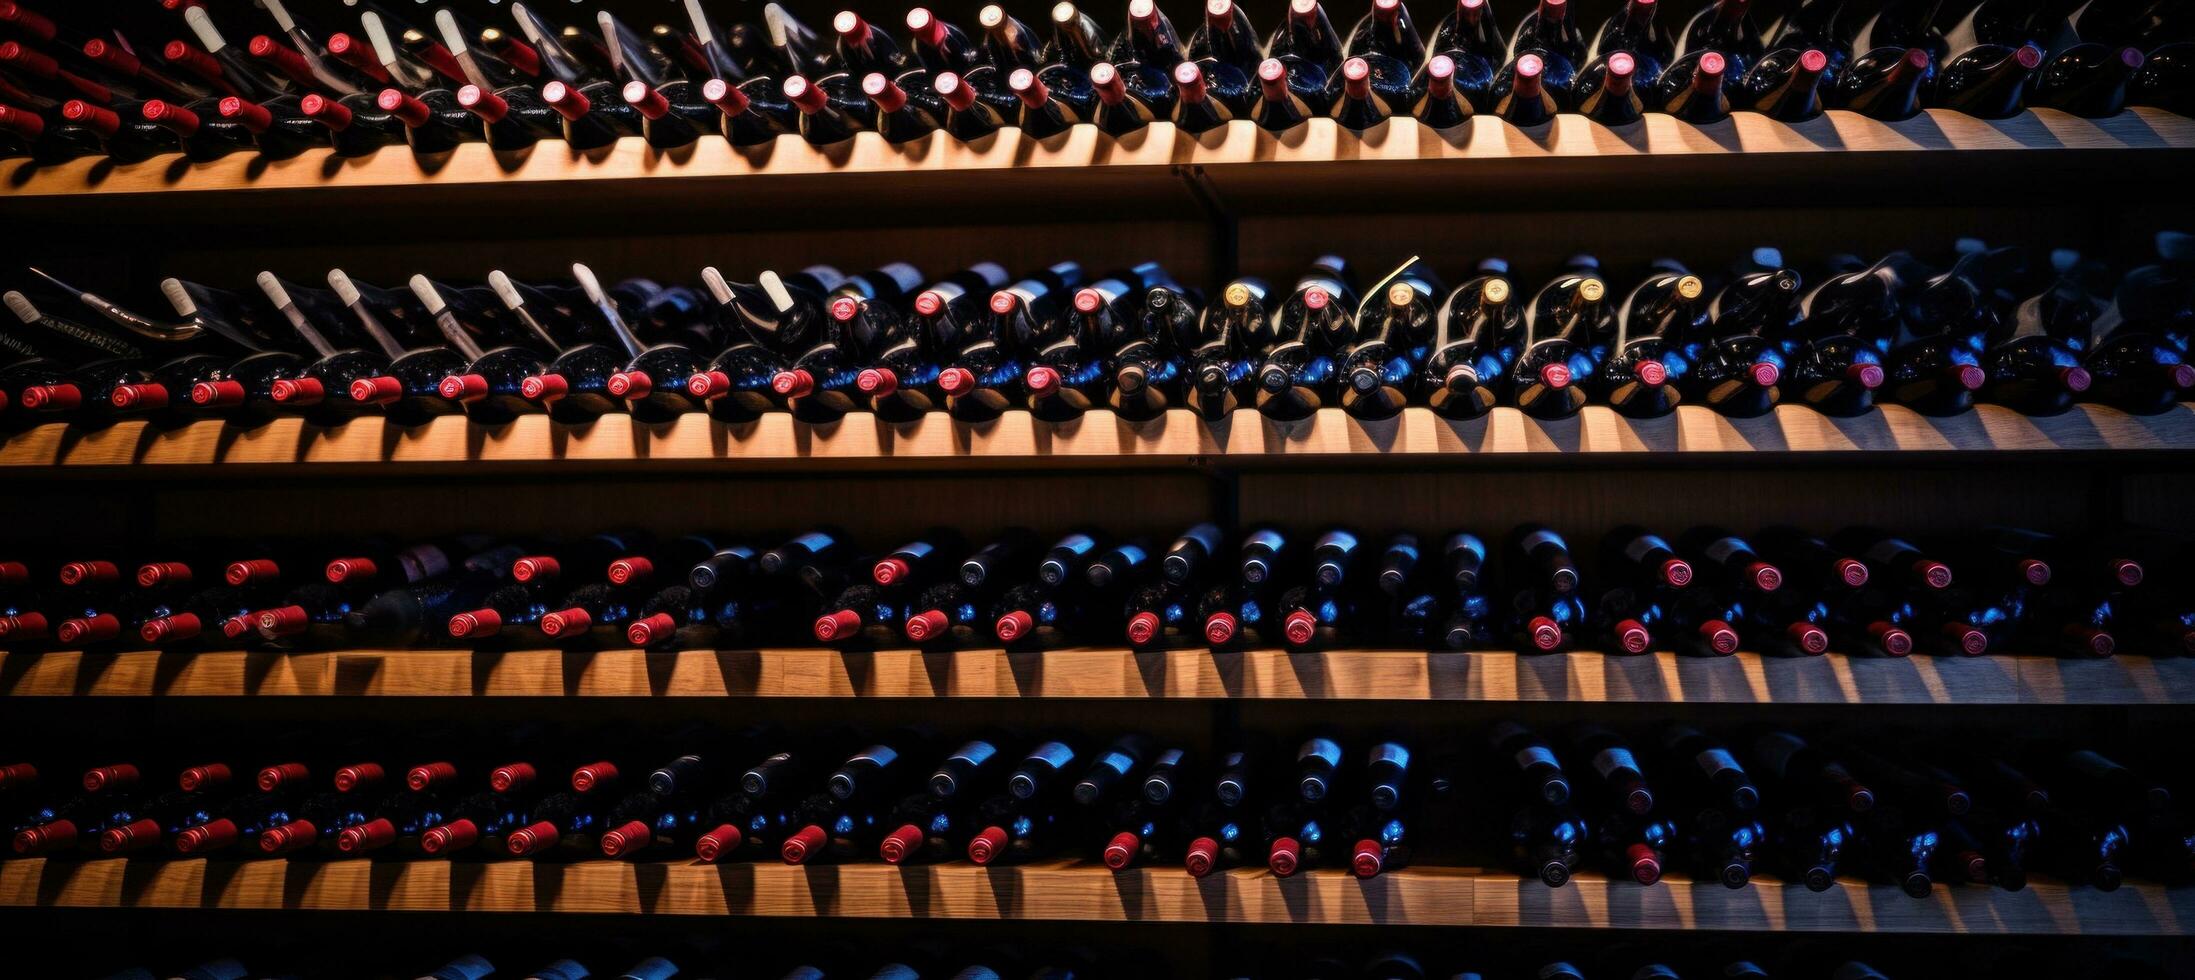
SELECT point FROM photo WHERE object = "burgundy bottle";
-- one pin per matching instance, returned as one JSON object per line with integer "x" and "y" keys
{"x": 1696, "y": 88}
{"x": 1519, "y": 93}
{"x": 832, "y": 108}
{"x": 1785, "y": 85}
{"x": 1885, "y": 83}
{"x": 1987, "y": 81}
{"x": 1608, "y": 89}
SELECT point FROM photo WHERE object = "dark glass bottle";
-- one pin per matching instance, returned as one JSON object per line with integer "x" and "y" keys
{"x": 1884, "y": 83}
{"x": 1785, "y": 85}
{"x": 2086, "y": 80}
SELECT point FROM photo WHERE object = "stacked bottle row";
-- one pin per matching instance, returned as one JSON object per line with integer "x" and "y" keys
{"x": 1706, "y": 592}
{"x": 1983, "y": 325}
{"x": 389, "y": 82}
{"x": 1382, "y": 966}
{"x": 1764, "y": 801}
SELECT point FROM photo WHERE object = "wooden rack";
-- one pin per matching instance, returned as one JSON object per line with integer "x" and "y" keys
{"x": 1271, "y": 675}
{"x": 1099, "y": 439}
{"x": 1084, "y": 892}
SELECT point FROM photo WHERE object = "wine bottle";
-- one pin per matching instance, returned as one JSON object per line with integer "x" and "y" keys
{"x": 1730, "y": 561}
{"x": 939, "y": 46}
{"x": 1802, "y": 772}
{"x": 862, "y": 48}
{"x": 1538, "y": 774}
{"x": 1225, "y": 37}
{"x": 1986, "y": 81}
{"x": 1308, "y": 35}
{"x": 1549, "y": 375}
{"x": 1471, "y": 29}
{"x": 1109, "y": 769}
{"x": 1695, "y": 87}
{"x": 1394, "y": 332}
{"x": 896, "y": 117}
{"x": 2087, "y": 79}
{"x": 862, "y": 613}
{"x": 1622, "y": 779}
{"x": 1520, "y": 93}
{"x": 1710, "y": 774}
{"x": 831, "y": 108}
{"x": 1220, "y": 362}
{"x": 1465, "y": 368}
{"x": 1608, "y": 89}
{"x": 1296, "y": 375}
{"x": 1548, "y": 841}
{"x": 2166, "y": 79}
{"x": 1785, "y": 84}
{"x": 1634, "y": 847}
{"x": 1884, "y": 83}
{"x": 1553, "y": 33}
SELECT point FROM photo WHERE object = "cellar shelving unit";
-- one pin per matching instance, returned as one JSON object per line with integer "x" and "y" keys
{"x": 1231, "y": 201}
{"x": 1100, "y": 438}
{"x": 1090, "y": 893}
{"x": 1270, "y": 675}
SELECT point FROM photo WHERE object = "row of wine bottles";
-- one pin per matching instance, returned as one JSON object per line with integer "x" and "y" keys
{"x": 1391, "y": 965}
{"x": 1709, "y": 591}
{"x": 1985, "y": 326}
{"x": 294, "y": 87}
{"x": 1764, "y": 801}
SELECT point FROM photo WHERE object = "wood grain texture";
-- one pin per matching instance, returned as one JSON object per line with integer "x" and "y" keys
{"x": 1068, "y": 890}
{"x": 1240, "y": 145}
{"x": 1099, "y": 438}
{"x": 1338, "y": 675}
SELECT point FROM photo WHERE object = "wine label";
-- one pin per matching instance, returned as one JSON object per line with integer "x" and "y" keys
{"x": 916, "y": 550}
{"x": 1532, "y": 755}
{"x": 1054, "y": 754}
{"x": 1542, "y": 538}
{"x": 1170, "y": 757}
{"x": 1267, "y": 538}
{"x": 1320, "y": 748}
{"x": 1610, "y": 761}
{"x": 1342, "y": 540}
{"x": 1119, "y": 762}
{"x": 974, "y": 754}
{"x": 1232, "y": 760}
{"x": 1887, "y": 550}
{"x": 1720, "y": 550}
{"x": 1714, "y": 761}
{"x": 1644, "y": 545}
{"x": 1777, "y": 748}
{"x": 1390, "y": 752}
{"x": 878, "y": 755}
{"x": 1133, "y": 554}
{"x": 1079, "y": 544}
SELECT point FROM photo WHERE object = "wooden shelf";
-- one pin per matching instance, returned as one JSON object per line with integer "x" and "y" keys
{"x": 1342, "y": 675}
{"x": 1083, "y": 892}
{"x": 1241, "y": 161}
{"x": 1098, "y": 439}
